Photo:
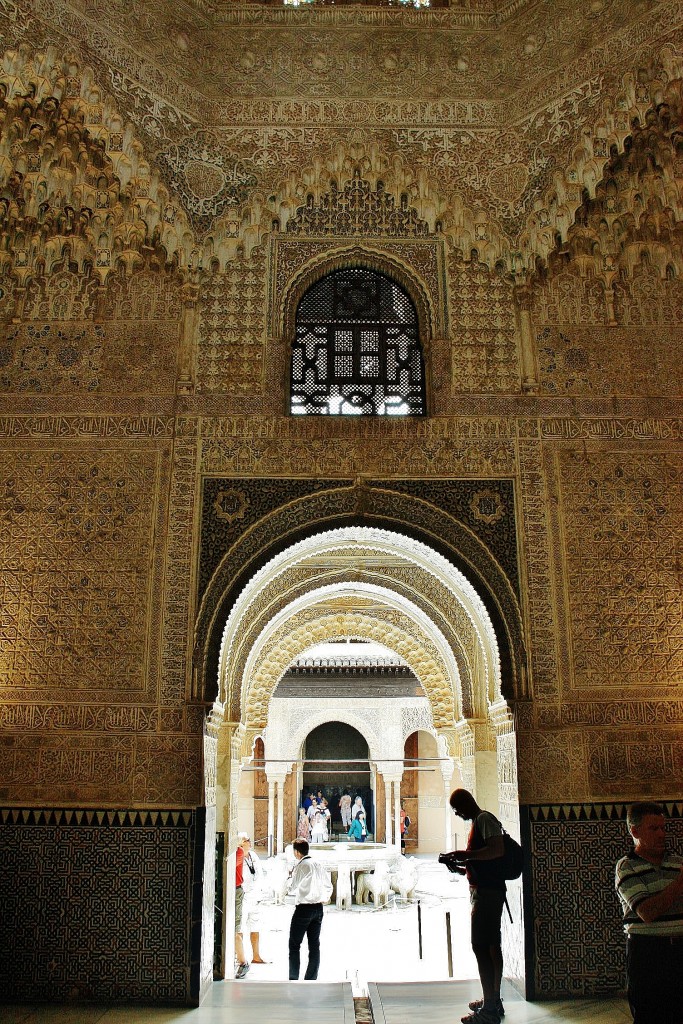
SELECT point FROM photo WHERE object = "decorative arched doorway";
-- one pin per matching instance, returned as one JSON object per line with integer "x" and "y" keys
{"x": 377, "y": 585}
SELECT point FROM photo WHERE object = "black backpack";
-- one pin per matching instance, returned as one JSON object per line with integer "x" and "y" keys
{"x": 513, "y": 857}
{"x": 496, "y": 872}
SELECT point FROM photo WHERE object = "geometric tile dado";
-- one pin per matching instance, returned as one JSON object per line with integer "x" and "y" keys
{"x": 97, "y": 904}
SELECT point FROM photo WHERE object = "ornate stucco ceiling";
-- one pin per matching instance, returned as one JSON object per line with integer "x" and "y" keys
{"x": 204, "y": 56}
{"x": 220, "y": 120}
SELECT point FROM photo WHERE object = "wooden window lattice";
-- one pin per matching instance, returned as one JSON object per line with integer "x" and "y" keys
{"x": 357, "y": 348}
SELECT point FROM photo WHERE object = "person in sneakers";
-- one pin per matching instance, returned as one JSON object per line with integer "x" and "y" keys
{"x": 649, "y": 883}
{"x": 487, "y": 897}
{"x": 242, "y": 965}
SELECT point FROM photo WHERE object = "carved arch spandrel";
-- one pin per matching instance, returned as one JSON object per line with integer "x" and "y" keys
{"x": 357, "y": 720}
{"x": 312, "y": 626}
{"x": 365, "y": 506}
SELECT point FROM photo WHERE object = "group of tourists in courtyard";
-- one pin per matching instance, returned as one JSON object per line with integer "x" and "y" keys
{"x": 315, "y": 818}
{"x": 648, "y": 879}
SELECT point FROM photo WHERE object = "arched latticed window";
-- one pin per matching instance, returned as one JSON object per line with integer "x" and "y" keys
{"x": 357, "y": 348}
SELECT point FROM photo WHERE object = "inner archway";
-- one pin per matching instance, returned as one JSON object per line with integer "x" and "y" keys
{"x": 363, "y": 586}
{"x": 335, "y": 754}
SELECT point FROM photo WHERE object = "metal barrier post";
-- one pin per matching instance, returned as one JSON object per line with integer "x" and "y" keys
{"x": 419, "y": 929}
{"x": 449, "y": 944}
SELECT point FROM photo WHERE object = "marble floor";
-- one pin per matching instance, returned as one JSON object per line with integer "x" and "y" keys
{"x": 371, "y": 971}
{"x": 445, "y": 1002}
{"x": 324, "y": 1003}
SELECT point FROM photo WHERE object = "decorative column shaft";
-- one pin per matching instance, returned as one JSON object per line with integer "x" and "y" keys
{"x": 523, "y": 299}
{"x": 189, "y": 327}
{"x": 229, "y": 751}
{"x": 271, "y": 818}
{"x": 387, "y": 812}
{"x": 448, "y": 743}
{"x": 448, "y": 820}
{"x": 397, "y": 814}
{"x": 280, "y": 815}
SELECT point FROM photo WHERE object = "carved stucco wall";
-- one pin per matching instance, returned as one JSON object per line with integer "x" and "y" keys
{"x": 146, "y": 266}
{"x": 85, "y": 548}
{"x": 386, "y": 725}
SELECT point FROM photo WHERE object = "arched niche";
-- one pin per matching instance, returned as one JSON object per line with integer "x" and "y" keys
{"x": 335, "y": 740}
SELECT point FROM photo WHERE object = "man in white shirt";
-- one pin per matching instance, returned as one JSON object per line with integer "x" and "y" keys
{"x": 312, "y": 888}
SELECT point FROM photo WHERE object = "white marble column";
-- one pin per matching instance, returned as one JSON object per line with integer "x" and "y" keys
{"x": 271, "y": 817}
{"x": 448, "y": 822}
{"x": 230, "y": 740}
{"x": 280, "y": 845}
{"x": 387, "y": 811}
{"x": 447, "y": 776}
{"x": 397, "y": 814}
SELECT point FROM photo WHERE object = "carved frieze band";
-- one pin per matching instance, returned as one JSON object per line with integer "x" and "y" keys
{"x": 57, "y": 716}
{"x": 180, "y": 569}
{"x": 606, "y": 713}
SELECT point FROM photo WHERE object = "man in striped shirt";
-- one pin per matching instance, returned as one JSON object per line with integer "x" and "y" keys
{"x": 649, "y": 881}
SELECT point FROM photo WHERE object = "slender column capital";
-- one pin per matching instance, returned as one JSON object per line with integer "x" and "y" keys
{"x": 277, "y": 773}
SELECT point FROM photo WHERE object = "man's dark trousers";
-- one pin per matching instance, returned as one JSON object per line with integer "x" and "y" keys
{"x": 307, "y": 920}
{"x": 655, "y": 969}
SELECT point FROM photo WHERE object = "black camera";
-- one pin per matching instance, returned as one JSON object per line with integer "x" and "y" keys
{"x": 451, "y": 863}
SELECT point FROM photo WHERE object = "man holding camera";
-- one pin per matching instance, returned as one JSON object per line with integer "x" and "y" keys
{"x": 485, "y": 847}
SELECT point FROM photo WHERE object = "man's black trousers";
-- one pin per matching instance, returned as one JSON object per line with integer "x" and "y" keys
{"x": 307, "y": 920}
{"x": 654, "y": 968}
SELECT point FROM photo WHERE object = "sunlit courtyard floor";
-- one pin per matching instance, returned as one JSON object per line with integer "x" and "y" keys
{"x": 378, "y": 951}
{"x": 364, "y": 944}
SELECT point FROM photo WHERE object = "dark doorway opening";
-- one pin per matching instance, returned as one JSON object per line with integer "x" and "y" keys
{"x": 349, "y": 771}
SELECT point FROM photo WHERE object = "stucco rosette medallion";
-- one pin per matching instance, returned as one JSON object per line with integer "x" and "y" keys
{"x": 208, "y": 178}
